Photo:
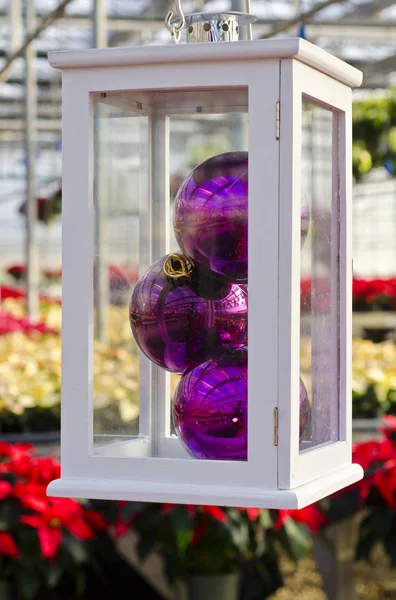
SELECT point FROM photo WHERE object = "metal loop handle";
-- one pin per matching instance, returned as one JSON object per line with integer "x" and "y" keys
{"x": 176, "y": 27}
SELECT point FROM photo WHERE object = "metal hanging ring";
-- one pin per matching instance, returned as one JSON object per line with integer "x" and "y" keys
{"x": 176, "y": 26}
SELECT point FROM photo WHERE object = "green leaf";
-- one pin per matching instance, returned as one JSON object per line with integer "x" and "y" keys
{"x": 240, "y": 537}
{"x": 131, "y": 508}
{"x": 381, "y": 521}
{"x": 145, "y": 546}
{"x": 180, "y": 518}
{"x": 343, "y": 506}
{"x": 173, "y": 568}
{"x": 265, "y": 519}
{"x": 182, "y": 526}
{"x": 29, "y": 585}
{"x": 297, "y": 540}
{"x": 81, "y": 582}
{"x": 53, "y": 576}
{"x": 77, "y": 549}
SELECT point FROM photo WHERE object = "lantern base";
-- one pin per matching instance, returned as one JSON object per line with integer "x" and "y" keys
{"x": 142, "y": 491}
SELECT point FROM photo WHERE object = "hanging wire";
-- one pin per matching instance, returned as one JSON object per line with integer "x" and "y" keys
{"x": 176, "y": 26}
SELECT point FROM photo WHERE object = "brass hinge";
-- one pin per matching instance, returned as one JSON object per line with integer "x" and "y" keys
{"x": 278, "y": 120}
{"x": 275, "y": 426}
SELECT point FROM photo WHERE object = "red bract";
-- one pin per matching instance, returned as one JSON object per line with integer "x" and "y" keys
{"x": 8, "y": 546}
{"x": 311, "y": 515}
{"x": 23, "y": 490}
{"x": 5, "y": 490}
{"x": 370, "y": 290}
{"x": 120, "y": 526}
{"x": 389, "y": 431}
{"x": 45, "y": 470}
{"x": 368, "y": 453}
{"x": 385, "y": 482}
{"x": 283, "y": 515}
{"x": 52, "y": 516}
{"x": 215, "y": 512}
{"x": 7, "y": 291}
{"x": 95, "y": 520}
{"x": 10, "y": 324}
{"x": 198, "y": 533}
{"x": 21, "y": 466}
{"x": 168, "y": 507}
{"x": 253, "y": 513}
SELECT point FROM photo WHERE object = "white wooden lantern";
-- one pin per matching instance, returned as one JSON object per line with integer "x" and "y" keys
{"x": 296, "y": 101}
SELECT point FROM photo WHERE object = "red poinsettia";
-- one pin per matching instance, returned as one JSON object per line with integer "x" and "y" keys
{"x": 311, "y": 515}
{"x": 10, "y": 324}
{"x": 8, "y": 546}
{"x": 51, "y": 517}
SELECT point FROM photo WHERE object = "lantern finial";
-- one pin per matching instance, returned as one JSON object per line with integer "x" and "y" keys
{"x": 208, "y": 27}
{"x": 176, "y": 28}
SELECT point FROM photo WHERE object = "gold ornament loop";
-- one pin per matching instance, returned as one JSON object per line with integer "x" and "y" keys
{"x": 178, "y": 269}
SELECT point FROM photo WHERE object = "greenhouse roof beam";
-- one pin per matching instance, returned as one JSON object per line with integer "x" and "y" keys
{"x": 384, "y": 66}
{"x": 20, "y": 125}
{"x": 301, "y": 17}
{"x": 42, "y": 26}
{"x": 347, "y": 28}
{"x": 369, "y": 8}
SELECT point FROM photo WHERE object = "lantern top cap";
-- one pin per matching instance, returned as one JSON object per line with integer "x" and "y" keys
{"x": 276, "y": 48}
{"x": 242, "y": 18}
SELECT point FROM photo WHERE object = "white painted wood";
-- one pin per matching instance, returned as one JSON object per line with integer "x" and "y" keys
{"x": 207, "y": 52}
{"x": 345, "y": 150}
{"x": 137, "y": 469}
{"x": 145, "y": 260}
{"x": 338, "y": 196}
{"x": 160, "y": 185}
{"x": 289, "y": 275}
{"x": 263, "y": 269}
{"x": 77, "y": 252}
{"x": 233, "y": 495}
{"x": 297, "y": 468}
{"x": 263, "y": 243}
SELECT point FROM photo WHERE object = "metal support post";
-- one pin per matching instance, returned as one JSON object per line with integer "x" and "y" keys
{"x": 102, "y": 292}
{"x": 15, "y": 25}
{"x": 32, "y": 259}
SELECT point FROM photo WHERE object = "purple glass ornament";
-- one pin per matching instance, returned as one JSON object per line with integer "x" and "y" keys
{"x": 305, "y": 410}
{"x": 210, "y": 408}
{"x": 211, "y": 216}
{"x": 179, "y": 324}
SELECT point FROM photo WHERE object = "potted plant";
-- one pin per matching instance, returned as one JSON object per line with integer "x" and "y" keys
{"x": 44, "y": 543}
{"x": 349, "y": 524}
{"x": 217, "y": 552}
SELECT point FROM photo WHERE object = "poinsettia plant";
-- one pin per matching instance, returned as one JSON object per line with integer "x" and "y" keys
{"x": 212, "y": 540}
{"x": 369, "y": 295}
{"x": 374, "y": 497}
{"x": 42, "y": 540}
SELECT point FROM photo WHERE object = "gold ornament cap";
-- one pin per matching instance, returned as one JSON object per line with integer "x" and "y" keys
{"x": 178, "y": 269}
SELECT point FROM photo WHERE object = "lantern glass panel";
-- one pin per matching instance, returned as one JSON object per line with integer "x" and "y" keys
{"x": 320, "y": 248}
{"x": 120, "y": 176}
{"x": 170, "y": 176}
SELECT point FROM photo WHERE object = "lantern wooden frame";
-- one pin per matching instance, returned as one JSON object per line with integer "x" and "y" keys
{"x": 277, "y": 73}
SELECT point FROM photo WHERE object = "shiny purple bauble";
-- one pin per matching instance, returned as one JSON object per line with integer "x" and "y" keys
{"x": 305, "y": 410}
{"x": 210, "y": 407}
{"x": 211, "y": 216}
{"x": 179, "y": 326}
